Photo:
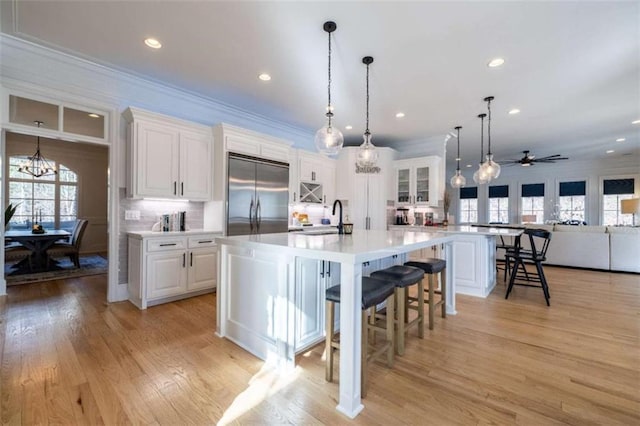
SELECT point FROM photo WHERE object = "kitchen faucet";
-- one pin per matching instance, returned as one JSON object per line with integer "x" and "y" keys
{"x": 340, "y": 225}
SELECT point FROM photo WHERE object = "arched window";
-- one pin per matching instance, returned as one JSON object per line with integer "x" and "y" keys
{"x": 51, "y": 201}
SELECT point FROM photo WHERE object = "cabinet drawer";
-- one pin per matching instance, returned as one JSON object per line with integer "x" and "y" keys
{"x": 202, "y": 241}
{"x": 166, "y": 244}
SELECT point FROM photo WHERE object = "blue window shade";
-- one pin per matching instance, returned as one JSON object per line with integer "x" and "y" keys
{"x": 467, "y": 193}
{"x": 533, "y": 190}
{"x": 499, "y": 191}
{"x": 618, "y": 186}
{"x": 573, "y": 188}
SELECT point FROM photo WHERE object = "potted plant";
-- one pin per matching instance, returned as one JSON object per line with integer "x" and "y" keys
{"x": 8, "y": 214}
{"x": 446, "y": 203}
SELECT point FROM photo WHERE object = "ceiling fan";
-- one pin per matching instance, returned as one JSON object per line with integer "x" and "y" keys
{"x": 530, "y": 160}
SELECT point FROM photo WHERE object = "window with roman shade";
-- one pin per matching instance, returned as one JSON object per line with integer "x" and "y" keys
{"x": 572, "y": 201}
{"x": 499, "y": 204}
{"x": 469, "y": 205}
{"x": 533, "y": 203}
{"x": 614, "y": 191}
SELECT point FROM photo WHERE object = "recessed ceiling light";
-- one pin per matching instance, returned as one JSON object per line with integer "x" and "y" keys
{"x": 610, "y": 151}
{"x": 496, "y": 62}
{"x": 264, "y": 77}
{"x": 635, "y": 122}
{"x": 620, "y": 140}
{"x": 514, "y": 111}
{"x": 93, "y": 115}
{"x": 348, "y": 127}
{"x": 400, "y": 115}
{"x": 468, "y": 165}
{"x": 152, "y": 43}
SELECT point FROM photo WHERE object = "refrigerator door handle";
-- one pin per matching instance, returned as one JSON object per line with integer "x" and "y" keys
{"x": 251, "y": 215}
{"x": 258, "y": 215}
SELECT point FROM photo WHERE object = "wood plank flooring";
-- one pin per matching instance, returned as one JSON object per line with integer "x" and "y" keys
{"x": 68, "y": 357}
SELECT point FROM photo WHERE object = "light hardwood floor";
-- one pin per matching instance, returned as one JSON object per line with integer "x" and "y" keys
{"x": 68, "y": 357}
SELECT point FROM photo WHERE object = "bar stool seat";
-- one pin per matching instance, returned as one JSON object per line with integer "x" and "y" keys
{"x": 374, "y": 292}
{"x": 405, "y": 276}
{"x": 432, "y": 267}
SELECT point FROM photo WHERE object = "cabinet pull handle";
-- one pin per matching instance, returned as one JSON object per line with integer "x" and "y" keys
{"x": 175, "y": 187}
{"x": 205, "y": 241}
{"x": 322, "y": 270}
{"x": 191, "y": 259}
{"x": 328, "y": 269}
{"x": 294, "y": 197}
{"x": 313, "y": 176}
{"x": 184, "y": 259}
{"x": 181, "y": 188}
{"x": 167, "y": 244}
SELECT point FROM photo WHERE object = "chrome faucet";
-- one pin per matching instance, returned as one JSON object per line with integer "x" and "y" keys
{"x": 340, "y": 224}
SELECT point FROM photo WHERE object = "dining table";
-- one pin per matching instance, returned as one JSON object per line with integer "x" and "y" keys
{"x": 38, "y": 243}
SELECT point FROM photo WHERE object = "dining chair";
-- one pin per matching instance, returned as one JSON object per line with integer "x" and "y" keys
{"x": 72, "y": 248}
{"x": 539, "y": 241}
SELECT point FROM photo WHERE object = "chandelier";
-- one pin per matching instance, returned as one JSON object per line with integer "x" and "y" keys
{"x": 37, "y": 165}
{"x": 328, "y": 139}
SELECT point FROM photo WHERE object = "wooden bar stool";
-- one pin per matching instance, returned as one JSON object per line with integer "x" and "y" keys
{"x": 404, "y": 277}
{"x": 433, "y": 267}
{"x": 374, "y": 292}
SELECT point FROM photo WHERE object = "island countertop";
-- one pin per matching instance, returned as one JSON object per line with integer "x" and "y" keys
{"x": 360, "y": 246}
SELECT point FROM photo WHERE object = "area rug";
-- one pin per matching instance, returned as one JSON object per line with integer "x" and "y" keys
{"x": 89, "y": 265}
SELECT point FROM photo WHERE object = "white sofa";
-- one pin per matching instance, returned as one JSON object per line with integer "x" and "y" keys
{"x": 608, "y": 248}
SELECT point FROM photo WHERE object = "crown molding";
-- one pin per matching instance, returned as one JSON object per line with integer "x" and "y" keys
{"x": 90, "y": 79}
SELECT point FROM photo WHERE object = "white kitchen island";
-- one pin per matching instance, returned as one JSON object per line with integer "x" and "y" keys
{"x": 259, "y": 276}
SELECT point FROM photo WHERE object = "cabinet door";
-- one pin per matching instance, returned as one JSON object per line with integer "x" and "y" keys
{"x": 377, "y": 202}
{"x": 310, "y": 301}
{"x": 196, "y": 164}
{"x": 308, "y": 169}
{"x": 421, "y": 179}
{"x": 328, "y": 178}
{"x": 166, "y": 274}
{"x": 157, "y": 154}
{"x": 358, "y": 205}
{"x": 203, "y": 264}
{"x": 403, "y": 185}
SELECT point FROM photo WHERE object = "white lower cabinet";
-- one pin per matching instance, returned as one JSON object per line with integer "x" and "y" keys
{"x": 168, "y": 267}
{"x": 313, "y": 277}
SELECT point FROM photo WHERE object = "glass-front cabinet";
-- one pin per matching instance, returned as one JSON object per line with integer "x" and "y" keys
{"x": 416, "y": 181}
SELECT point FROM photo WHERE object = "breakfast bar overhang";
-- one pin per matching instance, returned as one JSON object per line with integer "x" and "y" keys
{"x": 258, "y": 307}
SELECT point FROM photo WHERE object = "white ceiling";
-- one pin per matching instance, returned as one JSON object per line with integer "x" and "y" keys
{"x": 573, "y": 68}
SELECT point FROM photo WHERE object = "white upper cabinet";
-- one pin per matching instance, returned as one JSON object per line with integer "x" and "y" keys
{"x": 168, "y": 158}
{"x": 234, "y": 139}
{"x": 316, "y": 178}
{"x": 416, "y": 181}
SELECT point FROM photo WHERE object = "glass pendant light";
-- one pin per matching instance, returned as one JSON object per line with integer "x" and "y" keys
{"x": 492, "y": 169}
{"x": 329, "y": 140}
{"x": 458, "y": 180}
{"x": 37, "y": 165}
{"x": 480, "y": 176}
{"x": 367, "y": 153}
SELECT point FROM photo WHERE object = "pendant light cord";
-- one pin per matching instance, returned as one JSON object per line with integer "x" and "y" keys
{"x": 329, "y": 112}
{"x": 481, "y": 138}
{"x": 489, "y": 126}
{"x": 367, "y": 132}
{"x": 458, "y": 156}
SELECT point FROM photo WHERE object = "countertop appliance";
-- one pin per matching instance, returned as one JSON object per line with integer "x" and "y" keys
{"x": 257, "y": 195}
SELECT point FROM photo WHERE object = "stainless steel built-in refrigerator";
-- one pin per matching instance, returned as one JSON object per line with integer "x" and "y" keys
{"x": 258, "y": 195}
